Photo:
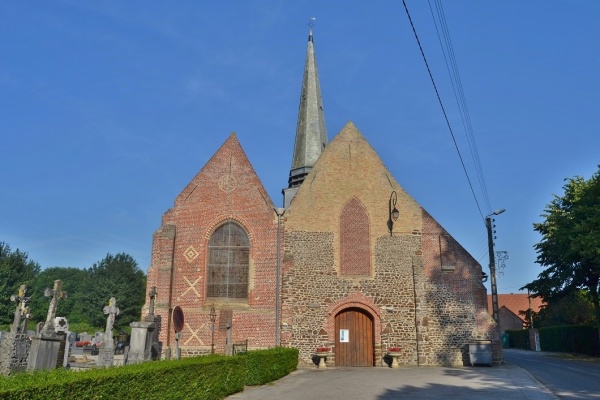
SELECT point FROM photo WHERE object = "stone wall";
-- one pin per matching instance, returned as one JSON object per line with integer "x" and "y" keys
{"x": 456, "y": 299}
{"x": 14, "y": 351}
{"x": 314, "y": 292}
{"x": 430, "y": 314}
{"x": 430, "y": 321}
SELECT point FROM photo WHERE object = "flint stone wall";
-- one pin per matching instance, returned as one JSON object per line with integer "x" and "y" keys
{"x": 14, "y": 351}
{"x": 426, "y": 319}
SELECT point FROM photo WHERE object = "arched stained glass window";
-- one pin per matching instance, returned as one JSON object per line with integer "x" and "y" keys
{"x": 228, "y": 262}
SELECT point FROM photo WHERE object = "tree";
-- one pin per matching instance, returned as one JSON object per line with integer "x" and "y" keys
{"x": 115, "y": 276}
{"x": 74, "y": 283}
{"x": 573, "y": 309}
{"x": 15, "y": 270}
{"x": 570, "y": 246}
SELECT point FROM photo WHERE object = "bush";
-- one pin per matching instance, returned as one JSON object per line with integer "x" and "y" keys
{"x": 205, "y": 377}
{"x": 518, "y": 339}
{"x": 208, "y": 377}
{"x": 80, "y": 327}
{"x": 581, "y": 339}
{"x": 269, "y": 365}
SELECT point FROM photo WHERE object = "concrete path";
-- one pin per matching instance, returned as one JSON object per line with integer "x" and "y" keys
{"x": 486, "y": 383}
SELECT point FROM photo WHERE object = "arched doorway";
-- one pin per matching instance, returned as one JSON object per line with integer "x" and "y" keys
{"x": 354, "y": 333}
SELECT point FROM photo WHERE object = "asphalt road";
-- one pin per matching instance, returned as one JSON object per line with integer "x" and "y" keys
{"x": 414, "y": 383}
{"x": 568, "y": 378}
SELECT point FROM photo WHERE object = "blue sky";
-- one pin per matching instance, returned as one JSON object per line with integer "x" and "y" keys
{"x": 108, "y": 109}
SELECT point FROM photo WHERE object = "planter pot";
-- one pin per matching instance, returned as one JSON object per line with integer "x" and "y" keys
{"x": 322, "y": 356}
{"x": 394, "y": 355}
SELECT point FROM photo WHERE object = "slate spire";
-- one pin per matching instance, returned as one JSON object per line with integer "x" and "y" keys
{"x": 311, "y": 135}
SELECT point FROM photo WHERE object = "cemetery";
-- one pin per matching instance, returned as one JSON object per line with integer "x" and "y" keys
{"x": 55, "y": 362}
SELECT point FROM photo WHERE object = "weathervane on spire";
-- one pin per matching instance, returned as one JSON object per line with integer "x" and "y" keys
{"x": 311, "y": 22}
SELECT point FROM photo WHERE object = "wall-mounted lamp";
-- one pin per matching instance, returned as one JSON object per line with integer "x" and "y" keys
{"x": 393, "y": 212}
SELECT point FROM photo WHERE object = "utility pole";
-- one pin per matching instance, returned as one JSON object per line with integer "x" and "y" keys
{"x": 488, "y": 224}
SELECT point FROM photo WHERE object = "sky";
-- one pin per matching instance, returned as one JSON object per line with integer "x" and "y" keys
{"x": 108, "y": 109}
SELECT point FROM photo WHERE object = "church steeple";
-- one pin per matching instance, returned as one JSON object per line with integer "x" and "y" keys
{"x": 311, "y": 135}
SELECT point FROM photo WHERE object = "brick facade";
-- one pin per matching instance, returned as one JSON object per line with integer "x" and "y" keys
{"x": 337, "y": 253}
{"x": 226, "y": 189}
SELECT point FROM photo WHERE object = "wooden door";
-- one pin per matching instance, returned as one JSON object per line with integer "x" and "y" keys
{"x": 354, "y": 338}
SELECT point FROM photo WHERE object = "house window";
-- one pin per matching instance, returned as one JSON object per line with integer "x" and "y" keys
{"x": 228, "y": 262}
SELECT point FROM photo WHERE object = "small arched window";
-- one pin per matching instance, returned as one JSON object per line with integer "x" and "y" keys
{"x": 228, "y": 262}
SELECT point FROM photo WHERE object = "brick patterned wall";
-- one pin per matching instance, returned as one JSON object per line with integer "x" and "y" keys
{"x": 226, "y": 189}
{"x": 355, "y": 249}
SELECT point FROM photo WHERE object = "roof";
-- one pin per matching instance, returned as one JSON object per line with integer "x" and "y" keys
{"x": 516, "y": 302}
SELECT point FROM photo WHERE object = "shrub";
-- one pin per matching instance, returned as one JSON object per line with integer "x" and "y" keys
{"x": 205, "y": 377}
{"x": 570, "y": 338}
{"x": 518, "y": 339}
{"x": 269, "y": 365}
{"x": 208, "y": 377}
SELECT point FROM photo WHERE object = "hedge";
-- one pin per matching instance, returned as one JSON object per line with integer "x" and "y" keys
{"x": 581, "y": 339}
{"x": 203, "y": 377}
{"x": 269, "y": 365}
{"x": 518, "y": 339}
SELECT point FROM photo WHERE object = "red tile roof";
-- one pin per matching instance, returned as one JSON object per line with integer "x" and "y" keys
{"x": 516, "y": 303}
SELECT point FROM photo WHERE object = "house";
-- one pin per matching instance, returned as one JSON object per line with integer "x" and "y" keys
{"x": 512, "y": 309}
{"x": 350, "y": 262}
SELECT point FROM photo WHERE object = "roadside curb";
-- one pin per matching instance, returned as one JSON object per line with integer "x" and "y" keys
{"x": 520, "y": 381}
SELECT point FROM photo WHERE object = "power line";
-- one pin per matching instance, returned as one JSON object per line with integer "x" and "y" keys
{"x": 443, "y": 109}
{"x": 459, "y": 94}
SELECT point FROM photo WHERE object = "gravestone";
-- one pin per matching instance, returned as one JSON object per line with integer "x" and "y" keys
{"x": 45, "y": 346}
{"x": 61, "y": 327}
{"x": 15, "y": 345}
{"x": 144, "y": 344}
{"x": 85, "y": 337}
{"x": 226, "y": 324}
{"x": 107, "y": 348}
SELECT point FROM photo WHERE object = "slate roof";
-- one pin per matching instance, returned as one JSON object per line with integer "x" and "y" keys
{"x": 311, "y": 135}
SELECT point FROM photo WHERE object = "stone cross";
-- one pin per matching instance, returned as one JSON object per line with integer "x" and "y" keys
{"x": 27, "y": 314}
{"x": 112, "y": 310}
{"x": 21, "y": 308}
{"x": 152, "y": 295}
{"x": 56, "y": 293}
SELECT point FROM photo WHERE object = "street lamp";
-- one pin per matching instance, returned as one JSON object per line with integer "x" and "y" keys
{"x": 393, "y": 211}
{"x": 279, "y": 212}
{"x": 213, "y": 318}
{"x": 488, "y": 224}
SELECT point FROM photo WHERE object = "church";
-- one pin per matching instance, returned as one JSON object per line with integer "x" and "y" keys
{"x": 351, "y": 262}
